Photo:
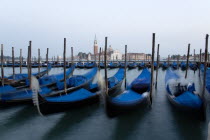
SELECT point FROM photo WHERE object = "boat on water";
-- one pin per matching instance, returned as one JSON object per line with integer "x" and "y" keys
{"x": 164, "y": 65}
{"x": 21, "y": 80}
{"x": 132, "y": 65}
{"x": 193, "y": 66}
{"x": 135, "y": 96}
{"x": 155, "y": 65}
{"x": 90, "y": 65}
{"x": 102, "y": 65}
{"x": 141, "y": 65}
{"x": 114, "y": 82}
{"x": 174, "y": 65}
{"x": 183, "y": 66}
{"x": 80, "y": 65}
{"x": 182, "y": 93}
{"x": 113, "y": 65}
{"x": 122, "y": 65}
{"x": 10, "y": 95}
{"x": 80, "y": 95}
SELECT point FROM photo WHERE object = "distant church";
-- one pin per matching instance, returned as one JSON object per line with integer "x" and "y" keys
{"x": 95, "y": 47}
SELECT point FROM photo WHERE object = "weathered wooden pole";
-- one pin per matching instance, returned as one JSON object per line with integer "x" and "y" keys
{"x": 2, "y": 65}
{"x": 39, "y": 60}
{"x": 188, "y": 55}
{"x": 205, "y": 65}
{"x": 72, "y": 57}
{"x": 157, "y": 66}
{"x": 168, "y": 60}
{"x": 152, "y": 66}
{"x": 29, "y": 62}
{"x": 47, "y": 60}
{"x": 99, "y": 59}
{"x": 64, "y": 69}
{"x": 13, "y": 63}
{"x": 105, "y": 64}
{"x": 125, "y": 65}
{"x": 21, "y": 61}
{"x": 194, "y": 57}
{"x": 204, "y": 78}
{"x": 178, "y": 61}
{"x": 200, "y": 63}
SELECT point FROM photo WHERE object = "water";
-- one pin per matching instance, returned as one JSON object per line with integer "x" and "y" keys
{"x": 161, "y": 121}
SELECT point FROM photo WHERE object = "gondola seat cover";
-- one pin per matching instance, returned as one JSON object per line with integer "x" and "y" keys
{"x": 142, "y": 83}
{"x": 114, "y": 80}
{"x": 127, "y": 97}
{"x": 189, "y": 99}
{"x": 74, "y": 96}
{"x": 6, "y": 88}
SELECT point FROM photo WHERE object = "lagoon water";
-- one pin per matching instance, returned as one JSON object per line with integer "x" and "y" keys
{"x": 159, "y": 122}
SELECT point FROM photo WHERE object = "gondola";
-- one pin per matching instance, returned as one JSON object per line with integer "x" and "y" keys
{"x": 183, "y": 66}
{"x": 193, "y": 66}
{"x": 74, "y": 99}
{"x": 90, "y": 65}
{"x": 155, "y": 65}
{"x": 141, "y": 65}
{"x": 101, "y": 65}
{"x": 80, "y": 65}
{"x": 122, "y": 65}
{"x": 80, "y": 96}
{"x": 114, "y": 82}
{"x": 164, "y": 65}
{"x": 135, "y": 96}
{"x": 112, "y": 65}
{"x": 132, "y": 65}
{"x": 21, "y": 79}
{"x": 174, "y": 65}
{"x": 181, "y": 93}
{"x": 49, "y": 86}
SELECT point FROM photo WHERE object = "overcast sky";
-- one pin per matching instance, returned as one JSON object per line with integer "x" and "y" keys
{"x": 132, "y": 22}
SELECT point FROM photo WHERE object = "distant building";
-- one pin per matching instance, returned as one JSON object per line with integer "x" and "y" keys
{"x": 95, "y": 47}
{"x": 113, "y": 54}
{"x": 137, "y": 56}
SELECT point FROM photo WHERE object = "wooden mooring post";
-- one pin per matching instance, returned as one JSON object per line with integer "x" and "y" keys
{"x": 2, "y": 65}
{"x": 21, "y": 61}
{"x": 13, "y": 63}
{"x": 200, "y": 63}
{"x": 152, "y": 66}
{"x": 157, "y": 66}
{"x": 188, "y": 55}
{"x": 105, "y": 63}
{"x": 39, "y": 60}
{"x": 64, "y": 68}
{"x": 47, "y": 60}
{"x": 125, "y": 65}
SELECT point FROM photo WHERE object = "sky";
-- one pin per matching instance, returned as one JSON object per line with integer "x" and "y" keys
{"x": 125, "y": 22}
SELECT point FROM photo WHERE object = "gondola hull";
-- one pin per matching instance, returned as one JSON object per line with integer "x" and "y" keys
{"x": 56, "y": 107}
{"x": 115, "y": 109}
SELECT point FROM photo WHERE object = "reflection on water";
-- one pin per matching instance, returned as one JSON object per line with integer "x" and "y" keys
{"x": 161, "y": 121}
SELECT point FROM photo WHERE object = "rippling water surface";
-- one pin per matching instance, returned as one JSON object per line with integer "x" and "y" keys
{"x": 161, "y": 121}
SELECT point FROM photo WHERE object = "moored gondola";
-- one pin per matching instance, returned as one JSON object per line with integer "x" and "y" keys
{"x": 164, "y": 65}
{"x": 90, "y": 65}
{"x": 174, "y": 65}
{"x": 50, "y": 86}
{"x": 182, "y": 93}
{"x": 21, "y": 79}
{"x": 135, "y": 96}
{"x": 183, "y": 66}
{"x": 132, "y": 65}
{"x": 71, "y": 99}
{"x": 141, "y": 65}
{"x": 113, "y": 65}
